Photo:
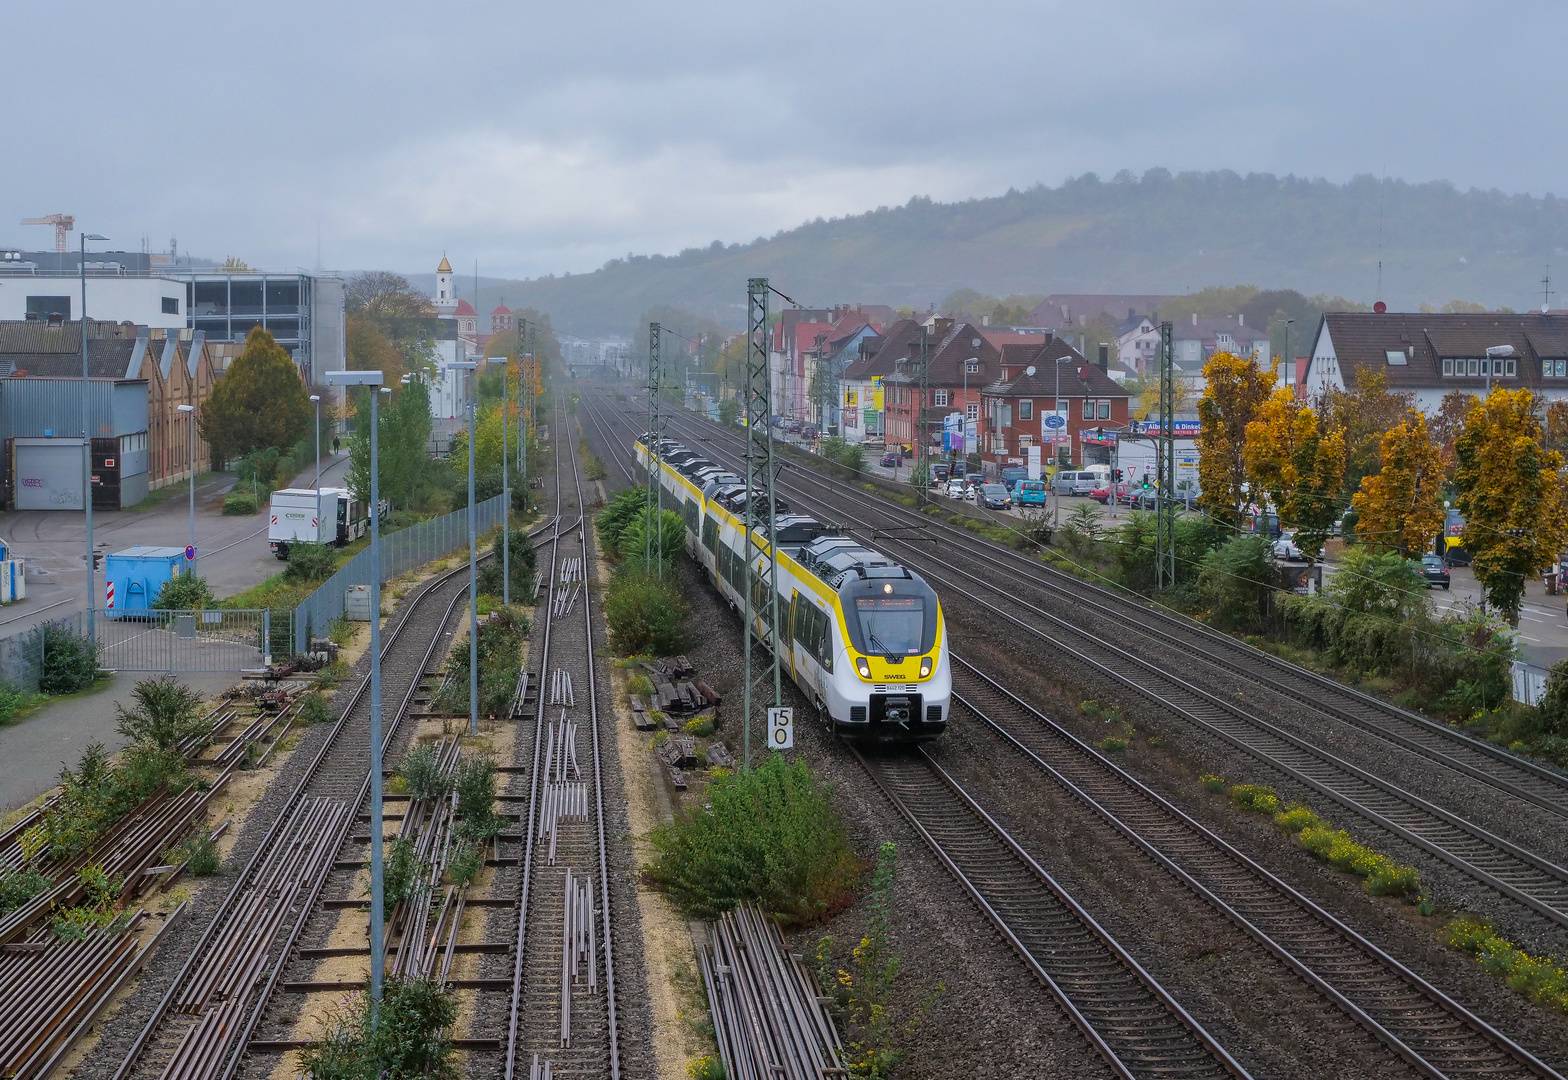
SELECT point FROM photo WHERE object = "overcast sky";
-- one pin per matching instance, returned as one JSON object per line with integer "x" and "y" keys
{"x": 549, "y": 137}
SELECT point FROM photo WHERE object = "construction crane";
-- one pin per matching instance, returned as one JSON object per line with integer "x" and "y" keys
{"x": 63, "y": 223}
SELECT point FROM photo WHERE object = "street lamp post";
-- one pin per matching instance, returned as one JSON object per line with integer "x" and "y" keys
{"x": 506, "y": 493}
{"x": 377, "y": 906}
{"x": 473, "y": 572}
{"x": 87, "y": 443}
{"x": 190, "y": 542}
{"x": 316, "y": 400}
{"x": 1494, "y": 354}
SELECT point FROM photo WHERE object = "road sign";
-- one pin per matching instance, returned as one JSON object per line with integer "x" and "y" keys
{"x": 190, "y": 553}
{"x": 1054, "y": 420}
{"x": 781, "y": 729}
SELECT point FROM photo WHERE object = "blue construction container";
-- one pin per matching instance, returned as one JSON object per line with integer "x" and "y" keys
{"x": 137, "y": 575}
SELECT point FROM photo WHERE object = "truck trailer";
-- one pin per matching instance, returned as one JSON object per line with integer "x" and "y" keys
{"x": 314, "y": 516}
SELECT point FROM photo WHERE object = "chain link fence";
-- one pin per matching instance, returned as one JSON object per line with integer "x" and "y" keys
{"x": 401, "y": 552}
{"x": 23, "y": 655}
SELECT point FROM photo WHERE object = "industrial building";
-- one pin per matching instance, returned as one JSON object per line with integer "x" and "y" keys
{"x": 138, "y": 376}
{"x": 304, "y": 312}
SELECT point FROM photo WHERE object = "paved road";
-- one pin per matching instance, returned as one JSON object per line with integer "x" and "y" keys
{"x": 232, "y": 551}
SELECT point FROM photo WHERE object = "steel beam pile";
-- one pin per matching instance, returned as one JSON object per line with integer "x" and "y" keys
{"x": 766, "y": 1007}
{"x": 578, "y": 947}
{"x": 51, "y": 991}
{"x": 561, "y": 688}
{"x": 425, "y": 932}
{"x": 564, "y": 599}
{"x": 540, "y": 1070}
{"x": 563, "y": 799}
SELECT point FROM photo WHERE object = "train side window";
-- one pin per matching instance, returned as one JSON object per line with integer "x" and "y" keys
{"x": 689, "y": 511}
{"x": 791, "y": 615}
{"x": 824, "y": 644}
{"x": 710, "y": 533}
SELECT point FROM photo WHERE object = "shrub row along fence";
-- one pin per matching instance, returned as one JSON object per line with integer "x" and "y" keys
{"x": 400, "y": 552}
{"x": 25, "y": 656}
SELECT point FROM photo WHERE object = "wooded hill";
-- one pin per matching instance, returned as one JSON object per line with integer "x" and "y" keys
{"x": 1161, "y": 233}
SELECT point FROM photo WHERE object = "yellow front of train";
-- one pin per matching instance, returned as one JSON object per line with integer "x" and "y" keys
{"x": 892, "y": 681}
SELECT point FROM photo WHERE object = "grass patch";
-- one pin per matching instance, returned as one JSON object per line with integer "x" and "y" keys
{"x": 1537, "y": 978}
{"x": 701, "y": 727}
{"x": 408, "y": 1041}
{"x": 769, "y": 836}
{"x": 1212, "y": 783}
{"x": 501, "y": 638}
{"x": 1258, "y": 798}
{"x": 1113, "y": 743}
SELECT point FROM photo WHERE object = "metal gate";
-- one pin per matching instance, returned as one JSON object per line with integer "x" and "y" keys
{"x": 182, "y": 641}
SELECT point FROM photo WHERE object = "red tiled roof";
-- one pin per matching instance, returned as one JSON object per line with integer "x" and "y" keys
{"x": 465, "y": 308}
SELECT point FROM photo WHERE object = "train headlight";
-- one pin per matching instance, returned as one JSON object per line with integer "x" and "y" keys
{"x": 925, "y": 666}
{"x": 863, "y": 666}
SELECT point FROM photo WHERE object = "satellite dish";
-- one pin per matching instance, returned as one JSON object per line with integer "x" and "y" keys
{"x": 974, "y": 343}
{"x": 1029, "y": 370}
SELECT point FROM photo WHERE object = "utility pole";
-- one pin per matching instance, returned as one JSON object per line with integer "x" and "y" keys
{"x": 759, "y": 586}
{"x": 921, "y": 477}
{"x": 1165, "y": 469}
{"x": 655, "y": 499}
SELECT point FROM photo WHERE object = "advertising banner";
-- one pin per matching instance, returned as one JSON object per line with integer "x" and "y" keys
{"x": 1034, "y": 463}
{"x": 876, "y": 393}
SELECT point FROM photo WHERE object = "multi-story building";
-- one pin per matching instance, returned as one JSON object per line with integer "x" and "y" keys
{"x": 1194, "y": 340}
{"x": 1037, "y": 383}
{"x": 1429, "y": 356}
{"x": 1137, "y": 342}
{"x": 957, "y": 361}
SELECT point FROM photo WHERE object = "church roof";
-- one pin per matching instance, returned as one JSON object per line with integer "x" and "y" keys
{"x": 465, "y": 308}
{"x": 501, "y": 309}
{"x": 445, "y": 267}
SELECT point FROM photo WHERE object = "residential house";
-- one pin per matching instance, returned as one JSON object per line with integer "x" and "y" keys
{"x": 795, "y": 333}
{"x": 1051, "y": 379}
{"x": 1069, "y": 310}
{"x": 1138, "y": 342}
{"x": 826, "y": 361}
{"x": 860, "y": 387}
{"x": 1196, "y": 339}
{"x": 958, "y": 361}
{"x": 1431, "y": 355}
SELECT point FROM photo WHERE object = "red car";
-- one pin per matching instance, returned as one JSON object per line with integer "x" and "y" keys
{"x": 1102, "y": 495}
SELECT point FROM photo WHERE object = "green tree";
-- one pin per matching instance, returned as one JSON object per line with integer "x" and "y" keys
{"x": 407, "y": 474}
{"x": 166, "y": 713}
{"x": 1236, "y": 580}
{"x": 1400, "y": 508}
{"x": 1512, "y": 495}
{"x": 260, "y": 402}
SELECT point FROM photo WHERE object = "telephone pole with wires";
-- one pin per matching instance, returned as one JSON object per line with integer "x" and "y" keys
{"x": 1165, "y": 469}
{"x": 760, "y": 579}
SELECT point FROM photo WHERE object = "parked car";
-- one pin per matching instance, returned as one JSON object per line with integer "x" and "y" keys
{"x": 889, "y": 461}
{"x": 1435, "y": 570}
{"x": 940, "y": 472}
{"x": 1103, "y": 495}
{"x": 1285, "y": 547}
{"x": 975, "y": 479}
{"x": 792, "y": 426}
{"x": 1012, "y": 474}
{"x": 995, "y": 497}
{"x": 1030, "y": 493}
{"x": 956, "y": 489}
{"x": 1077, "y": 483}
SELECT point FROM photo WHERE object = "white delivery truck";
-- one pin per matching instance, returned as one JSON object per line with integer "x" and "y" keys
{"x": 311, "y": 516}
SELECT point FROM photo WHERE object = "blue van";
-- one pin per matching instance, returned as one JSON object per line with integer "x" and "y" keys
{"x": 1030, "y": 493}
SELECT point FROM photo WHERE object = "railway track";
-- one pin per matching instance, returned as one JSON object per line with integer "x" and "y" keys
{"x": 1427, "y": 1029}
{"x": 563, "y": 1013}
{"x": 1535, "y": 882}
{"x": 222, "y": 1013}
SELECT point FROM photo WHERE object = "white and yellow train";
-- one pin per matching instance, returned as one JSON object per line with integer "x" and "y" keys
{"x": 865, "y": 636}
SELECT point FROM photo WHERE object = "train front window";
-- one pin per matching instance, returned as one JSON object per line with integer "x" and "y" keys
{"x": 891, "y": 625}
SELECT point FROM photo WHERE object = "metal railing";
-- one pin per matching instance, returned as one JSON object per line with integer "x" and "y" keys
{"x": 182, "y": 641}
{"x": 401, "y": 552}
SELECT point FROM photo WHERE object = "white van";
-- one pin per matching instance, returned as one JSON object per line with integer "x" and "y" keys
{"x": 1077, "y": 483}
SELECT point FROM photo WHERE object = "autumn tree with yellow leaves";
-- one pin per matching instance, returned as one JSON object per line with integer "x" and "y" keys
{"x": 1511, "y": 494}
{"x": 1299, "y": 460}
{"x": 1400, "y": 509}
{"x": 1236, "y": 388}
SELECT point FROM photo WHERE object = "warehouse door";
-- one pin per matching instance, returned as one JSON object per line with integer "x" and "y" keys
{"x": 48, "y": 474}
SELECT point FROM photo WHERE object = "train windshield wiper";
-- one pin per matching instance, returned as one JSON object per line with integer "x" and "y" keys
{"x": 876, "y": 644}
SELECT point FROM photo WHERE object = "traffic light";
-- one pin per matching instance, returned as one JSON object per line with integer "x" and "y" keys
{"x": 1117, "y": 475}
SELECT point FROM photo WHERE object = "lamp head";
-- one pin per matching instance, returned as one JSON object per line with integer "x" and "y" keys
{"x": 93, "y": 236}
{"x": 1500, "y": 350}
{"x": 315, "y": 398}
{"x": 353, "y": 378}
{"x": 185, "y": 408}
{"x": 497, "y": 359}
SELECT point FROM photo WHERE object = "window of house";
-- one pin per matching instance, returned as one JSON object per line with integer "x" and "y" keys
{"x": 1511, "y": 368}
{"x": 1395, "y": 357}
{"x": 1025, "y": 442}
{"x": 1474, "y": 366}
{"x": 1104, "y": 412}
{"x": 1088, "y": 409}
{"x": 1026, "y": 410}
{"x": 972, "y": 411}
{"x": 941, "y": 398}
{"x": 972, "y": 365}
{"x": 171, "y": 305}
{"x": 1448, "y": 366}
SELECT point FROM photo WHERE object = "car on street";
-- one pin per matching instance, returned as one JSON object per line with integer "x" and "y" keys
{"x": 1077, "y": 483}
{"x": 995, "y": 497}
{"x": 940, "y": 472}
{"x": 1435, "y": 570}
{"x": 1285, "y": 547}
{"x": 889, "y": 461}
{"x": 956, "y": 489}
{"x": 1030, "y": 493}
{"x": 1104, "y": 494}
{"x": 1012, "y": 474}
